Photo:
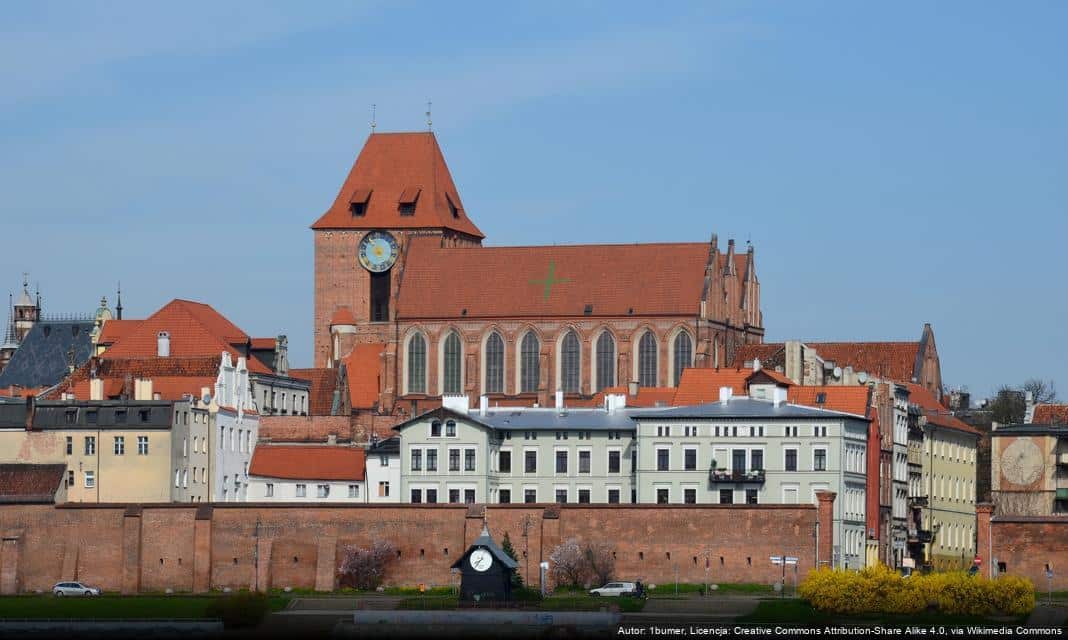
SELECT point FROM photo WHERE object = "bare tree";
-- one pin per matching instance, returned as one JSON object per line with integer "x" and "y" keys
{"x": 601, "y": 562}
{"x": 365, "y": 567}
{"x": 568, "y": 564}
{"x": 1042, "y": 391}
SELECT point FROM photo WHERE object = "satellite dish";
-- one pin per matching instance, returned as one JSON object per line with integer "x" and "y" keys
{"x": 862, "y": 377}
{"x": 838, "y": 372}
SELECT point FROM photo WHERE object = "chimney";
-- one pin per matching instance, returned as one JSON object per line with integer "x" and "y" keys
{"x": 756, "y": 365}
{"x": 96, "y": 389}
{"x": 163, "y": 344}
{"x": 778, "y": 395}
{"x": 559, "y": 399}
{"x": 331, "y": 438}
{"x": 633, "y": 387}
{"x": 142, "y": 389}
{"x": 483, "y": 404}
{"x": 31, "y": 410}
{"x": 725, "y": 394}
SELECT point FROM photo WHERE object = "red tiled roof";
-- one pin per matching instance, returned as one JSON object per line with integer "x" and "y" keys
{"x": 30, "y": 483}
{"x": 362, "y": 366}
{"x": 1050, "y": 414}
{"x": 15, "y": 391}
{"x": 700, "y": 385}
{"x": 263, "y": 343}
{"x": 172, "y": 377}
{"x": 390, "y": 165}
{"x": 115, "y": 330}
{"x": 847, "y": 399}
{"x": 195, "y": 330}
{"x": 775, "y": 376}
{"x": 934, "y": 410}
{"x": 762, "y": 351}
{"x": 342, "y": 316}
{"x": 893, "y": 360}
{"x": 452, "y": 282}
{"x": 302, "y": 462}
{"x": 647, "y": 396}
{"x": 321, "y": 392}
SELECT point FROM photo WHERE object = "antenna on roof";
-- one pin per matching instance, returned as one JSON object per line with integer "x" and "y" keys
{"x": 373, "y": 123}
{"x": 429, "y": 122}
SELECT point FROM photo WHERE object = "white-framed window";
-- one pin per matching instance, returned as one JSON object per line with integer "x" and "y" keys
{"x": 322, "y": 491}
{"x": 185, "y": 478}
{"x": 689, "y": 457}
{"x": 268, "y": 489}
{"x": 185, "y": 447}
{"x": 819, "y": 458}
{"x": 120, "y": 445}
{"x": 177, "y": 477}
{"x": 354, "y": 491}
{"x": 663, "y": 459}
{"x": 90, "y": 479}
{"x": 142, "y": 445}
{"x": 790, "y": 493}
{"x": 383, "y": 489}
{"x": 614, "y": 460}
{"x": 302, "y": 490}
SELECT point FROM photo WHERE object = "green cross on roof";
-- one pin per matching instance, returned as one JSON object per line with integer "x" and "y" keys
{"x": 550, "y": 280}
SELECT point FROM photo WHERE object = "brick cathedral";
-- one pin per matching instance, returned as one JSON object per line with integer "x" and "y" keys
{"x": 412, "y": 306}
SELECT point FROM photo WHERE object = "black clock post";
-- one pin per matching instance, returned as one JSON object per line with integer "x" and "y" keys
{"x": 485, "y": 571}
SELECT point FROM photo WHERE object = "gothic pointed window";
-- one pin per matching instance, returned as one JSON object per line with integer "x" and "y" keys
{"x": 417, "y": 364}
{"x": 606, "y": 361}
{"x": 683, "y": 355}
{"x": 529, "y": 365}
{"x": 494, "y": 363}
{"x": 452, "y": 355}
{"x": 647, "y": 364}
{"x": 570, "y": 363}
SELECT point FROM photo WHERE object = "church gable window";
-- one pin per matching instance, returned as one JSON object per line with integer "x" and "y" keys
{"x": 451, "y": 364}
{"x": 358, "y": 202}
{"x": 529, "y": 365}
{"x": 417, "y": 364}
{"x": 683, "y": 355}
{"x": 647, "y": 363}
{"x": 570, "y": 363}
{"x": 494, "y": 363}
{"x": 606, "y": 361}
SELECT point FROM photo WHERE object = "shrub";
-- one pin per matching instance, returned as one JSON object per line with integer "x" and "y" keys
{"x": 239, "y": 611}
{"x": 364, "y": 568}
{"x": 601, "y": 562}
{"x": 568, "y": 564}
{"x": 506, "y": 546}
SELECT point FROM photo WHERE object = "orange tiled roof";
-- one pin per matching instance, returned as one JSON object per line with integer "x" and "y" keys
{"x": 321, "y": 392}
{"x": 762, "y": 351}
{"x": 700, "y": 385}
{"x": 303, "y": 462}
{"x": 847, "y": 399}
{"x": 439, "y": 282}
{"x": 362, "y": 366}
{"x": 1050, "y": 414}
{"x": 934, "y": 410}
{"x": 647, "y": 396}
{"x": 172, "y": 377}
{"x": 342, "y": 316}
{"x": 115, "y": 330}
{"x": 892, "y": 360}
{"x": 391, "y": 165}
{"x": 775, "y": 376}
{"x": 263, "y": 343}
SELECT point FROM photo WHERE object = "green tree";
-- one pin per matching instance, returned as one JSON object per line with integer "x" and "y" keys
{"x": 1008, "y": 406}
{"x": 506, "y": 546}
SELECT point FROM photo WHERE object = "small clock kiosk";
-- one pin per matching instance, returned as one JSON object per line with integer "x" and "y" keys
{"x": 485, "y": 571}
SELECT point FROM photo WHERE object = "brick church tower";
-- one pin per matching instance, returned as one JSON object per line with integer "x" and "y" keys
{"x": 398, "y": 188}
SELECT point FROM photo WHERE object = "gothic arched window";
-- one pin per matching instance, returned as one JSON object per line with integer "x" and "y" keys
{"x": 451, "y": 364}
{"x": 529, "y": 365}
{"x": 606, "y": 361}
{"x": 683, "y": 355}
{"x": 417, "y": 364}
{"x": 494, "y": 363}
{"x": 570, "y": 363}
{"x": 647, "y": 363}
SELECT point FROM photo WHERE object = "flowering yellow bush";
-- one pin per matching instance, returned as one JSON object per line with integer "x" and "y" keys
{"x": 880, "y": 589}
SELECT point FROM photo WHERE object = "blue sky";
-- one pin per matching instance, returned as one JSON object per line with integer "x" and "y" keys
{"x": 893, "y": 165}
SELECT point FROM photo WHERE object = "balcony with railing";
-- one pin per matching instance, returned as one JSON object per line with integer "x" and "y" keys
{"x": 724, "y": 475}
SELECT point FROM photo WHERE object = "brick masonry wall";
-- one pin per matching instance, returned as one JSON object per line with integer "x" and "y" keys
{"x": 1026, "y": 545}
{"x": 152, "y": 548}
{"x": 305, "y": 428}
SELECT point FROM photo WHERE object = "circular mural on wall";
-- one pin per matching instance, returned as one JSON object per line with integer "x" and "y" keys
{"x": 1022, "y": 462}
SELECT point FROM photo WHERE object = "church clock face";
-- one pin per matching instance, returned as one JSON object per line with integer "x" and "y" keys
{"x": 481, "y": 560}
{"x": 1022, "y": 462}
{"x": 378, "y": 251}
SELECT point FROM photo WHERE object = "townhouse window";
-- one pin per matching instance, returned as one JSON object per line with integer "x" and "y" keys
{"x": 663, "y": 458}
{"x": 689, "y": 496}
{"x": 633, "y": 496}
{"x": 561, "y": 462}
{"x": 662, "y": 496}
{"x": 383, "y": 489}
{"x": 431, "y": 459}
{"x": 584, "y": 496}
{"x": 354, "y": 491}
{"x": 431, "y": 496}
{"x": 738, "y": 459}
{"x": 322, "y": 491}
{"x": 504, "y": 462}
{"x": 689, "y": 457}
{"x": 435, "y": 429}
{"x": 185, "y": 478}
{"x": 71, "y": 416}
{"x": 450, "y": 429}
{"x": 819, "y": 460}
{"x": 70, "y": 445}
{"x": 90, "y": 479}
{"x": 760, "y": 431}
{"x": 454, "y": 459}
{"x": 469, "y": 459}
{"x": 70, "y": 477}
{"x": 268, "y": 491}
{"x": 90, "y": 445}
{"x": 302, "y": 490}
{"x": 530, "y": 461}
{"x": 504, "y": 496}
{"x": 726, "y": 496}
{"x": 756, "y": 458}
{"x": 634, "y": 459}
{"x": 752, "y": 431}
{"x": 791, "y": 459}
{"x": 734, "y": 432}
{"x": 613, "y": 462}
{"x": 561, "y": 496}
{"x": 469, "y": 496}
{"x": 417, "y": 496}
{"x": 584, "y": 462}
{"x": 717, "y": 431}
{"x": 142, "y": 445}
{"x": 120, "y": 445}
{"x": 454, "y": 496}
{"x": 417, "y": 460}
{"x": 751, "y": 496}
{"x": 530, "y": 496}
{"x": 561, "y": 435}
{"x": 143, "y": 415}
{"x": 613, "y": 496}
{"x": 91, "y": 417}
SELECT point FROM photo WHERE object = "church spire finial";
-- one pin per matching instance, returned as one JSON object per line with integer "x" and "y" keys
{"x": 373, "y": 121}
{"x": 429, "y": 122}
{"x": 118, "y": 302}
{"x": 9, "y": 330}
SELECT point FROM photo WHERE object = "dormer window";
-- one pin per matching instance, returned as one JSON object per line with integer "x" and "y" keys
{"x": 454, "y": 208}
{"x": 407, "y": 201}
{"x": 358, "y": 202}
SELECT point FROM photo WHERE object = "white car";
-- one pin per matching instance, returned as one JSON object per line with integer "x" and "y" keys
{"x": 74, "y": 589}
{"x": 615, "y": 589}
